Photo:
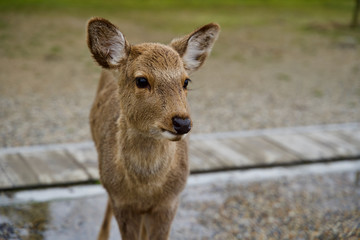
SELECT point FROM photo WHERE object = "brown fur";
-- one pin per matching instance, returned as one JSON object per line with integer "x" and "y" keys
{"x": 141, "y": 169}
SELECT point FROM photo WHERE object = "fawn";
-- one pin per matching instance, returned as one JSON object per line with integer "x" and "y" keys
{"x": 139, "y": 121}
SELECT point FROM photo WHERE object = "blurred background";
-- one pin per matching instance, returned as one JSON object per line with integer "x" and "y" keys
{"x": 277, "y": 63}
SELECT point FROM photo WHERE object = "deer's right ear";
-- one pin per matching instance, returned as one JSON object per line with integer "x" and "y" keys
{"x": 106, "y": 43}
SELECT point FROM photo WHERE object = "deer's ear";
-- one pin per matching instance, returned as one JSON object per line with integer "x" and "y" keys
{"x": 106, "y": 43}
{"x": 195, "y": 47}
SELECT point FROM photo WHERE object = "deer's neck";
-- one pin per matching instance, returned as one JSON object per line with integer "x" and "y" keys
{"x": 143, "y": 155}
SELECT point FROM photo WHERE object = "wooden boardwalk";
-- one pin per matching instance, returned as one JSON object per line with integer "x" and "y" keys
{"x": 43, "y": 166}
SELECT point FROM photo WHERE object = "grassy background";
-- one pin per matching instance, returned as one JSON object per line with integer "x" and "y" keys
{"x": 156, "y": 4}
{"x": 227, "y": 12}
{"x": 164, "y": 17}
{"x": 278, "y": 58}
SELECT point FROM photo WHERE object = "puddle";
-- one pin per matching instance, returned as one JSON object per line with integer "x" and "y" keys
{"x": 27, "y": 221}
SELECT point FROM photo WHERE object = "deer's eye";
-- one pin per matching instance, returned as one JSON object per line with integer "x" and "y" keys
{"x": 142, "y": 82}
{"x": 186, "y": 82}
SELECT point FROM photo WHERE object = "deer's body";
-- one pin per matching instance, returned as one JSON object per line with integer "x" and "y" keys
{"x": 139, "y": 121}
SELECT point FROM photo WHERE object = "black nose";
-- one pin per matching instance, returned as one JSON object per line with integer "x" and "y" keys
{"x": 181, "y": 125}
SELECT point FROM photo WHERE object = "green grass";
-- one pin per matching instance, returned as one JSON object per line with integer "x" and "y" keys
{"x": 224, "y": 7}
{"x": 179, "y": 15}
{"x": 164, "y": 4}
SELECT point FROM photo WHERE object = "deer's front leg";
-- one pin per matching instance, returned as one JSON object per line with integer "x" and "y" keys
{"x": 129, "y": 223}
{"x": 158, "y": 222}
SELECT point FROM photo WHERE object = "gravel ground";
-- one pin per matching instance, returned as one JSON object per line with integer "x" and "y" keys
{"x": 323, "y": 203}
{"x": 266, "y": 76}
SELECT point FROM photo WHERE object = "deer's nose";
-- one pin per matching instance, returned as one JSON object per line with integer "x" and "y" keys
{"x": 181, "y": 125}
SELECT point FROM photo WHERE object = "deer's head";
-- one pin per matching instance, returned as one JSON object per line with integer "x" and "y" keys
{"x": 153, "y": 78}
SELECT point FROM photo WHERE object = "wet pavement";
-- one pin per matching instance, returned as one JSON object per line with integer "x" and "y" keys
{"x": 313, "y": 201}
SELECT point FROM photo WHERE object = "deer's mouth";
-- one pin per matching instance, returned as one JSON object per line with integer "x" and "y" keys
{"x": 172, "y": 136}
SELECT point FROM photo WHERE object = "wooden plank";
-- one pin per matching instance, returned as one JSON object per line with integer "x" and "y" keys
{"x": 197, "y": 164}
{"x": 207, "y": 161}
{"x": 17, "y": 170}
{"x": 4, "y": 180}
{"x": 351, "y": 138}
{"x": 86, "y": 157}
{"x": 355, "y": 134}
{"x": 306, "y": 148}
{"x": 229, "y": 156}
{"x": 261, "y": 151}
{"x": 54, "y": 167}
{"x": 338, "y": 146}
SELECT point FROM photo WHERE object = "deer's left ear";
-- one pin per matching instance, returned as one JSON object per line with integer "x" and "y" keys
{"x": 195, "y": 47}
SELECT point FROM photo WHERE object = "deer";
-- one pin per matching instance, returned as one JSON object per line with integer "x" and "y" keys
{"x": 140, "y": 122}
